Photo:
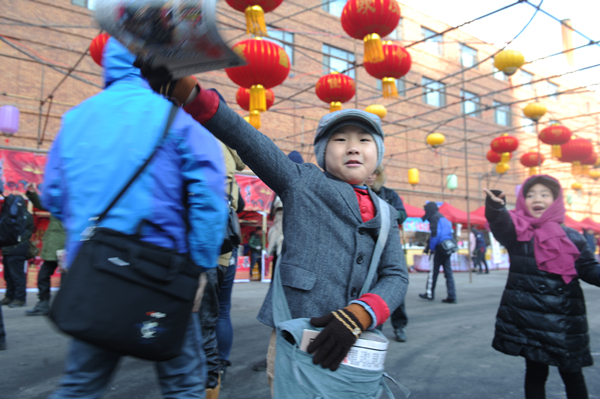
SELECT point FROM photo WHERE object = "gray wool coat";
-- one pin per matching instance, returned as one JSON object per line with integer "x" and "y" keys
{"x": 327, "y": 247}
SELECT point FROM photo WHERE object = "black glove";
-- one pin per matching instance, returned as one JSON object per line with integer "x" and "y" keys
{"x": 162, "y": 82}
{"x": 342, "y": 329}
{"x": 426, "y": 250}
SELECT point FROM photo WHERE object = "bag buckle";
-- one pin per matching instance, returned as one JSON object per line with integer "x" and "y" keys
{"x": 89, "y": 231}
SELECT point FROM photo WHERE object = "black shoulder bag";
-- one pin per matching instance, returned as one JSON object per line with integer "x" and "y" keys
{"x": 127, "y": 295}
{"x": 233, "y": 231}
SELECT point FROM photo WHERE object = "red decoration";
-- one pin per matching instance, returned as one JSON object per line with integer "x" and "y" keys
{"x": 555, "y": 135}
{"x": 370, "y": 20}
{"x": 589, "y": 161}
{"x": 255, "y": 13}
{"x": 335, "y": 89}
{"x": 505, "y": 145}
{"x": 97, "y": 47}
{"x": 532, "y": 160}
{"x": 396, "y": 63}
{"x": 243, "y": 99}
{"x": 576, "y": 151}
{"x": 267, "y": 66}
{"x": 494, "y": 157}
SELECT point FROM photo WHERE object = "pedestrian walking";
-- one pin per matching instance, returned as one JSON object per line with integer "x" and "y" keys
{"x": 542, "y": 312}
{"x": 255, "y": 244}
{"x": 589, "y": 236}
{"x": 439, "y": 248}
{"x": 477, "y": 246}
{"x": 53, "y": 241}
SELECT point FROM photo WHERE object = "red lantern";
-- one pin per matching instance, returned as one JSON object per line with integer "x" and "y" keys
{"x": 396, "y": 63}
{"x": 267, "y": 65}
{"x": 243, "y": 99}
{"x": 555, "y": 135}
{"x": 255, "y": 13}
{"x": 370, "y": 20}
{"x": 589, "y": 161}
{"x": 505, "y": 145}
{"x": 494, "y": 157}
{"x": 576, "y": 151}
{"x": 532, "y": 160}
{"x": 97, "y": 47}
{"x": 335, "y": 89}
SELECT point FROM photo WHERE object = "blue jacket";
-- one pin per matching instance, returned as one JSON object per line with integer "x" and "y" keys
{"x": 441, "y": 228}
{"x": 106, "y": 138}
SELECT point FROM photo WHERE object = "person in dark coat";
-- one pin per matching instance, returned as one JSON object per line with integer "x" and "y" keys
{"x": 590, "y": 238}
{"x": 14, "y": 259}
{"x": 441, "y": 230}
{"x": 542, "y": 312}
{"x": 376, "y": 181}
{"x": 54, "y": 240}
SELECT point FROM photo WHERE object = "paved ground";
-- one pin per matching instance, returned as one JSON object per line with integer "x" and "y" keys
{"x": 448, "y": 353}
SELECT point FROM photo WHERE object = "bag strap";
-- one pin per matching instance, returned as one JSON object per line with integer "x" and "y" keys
{"x": 170, "y": 120}
{"x": 281, "y": 309}
{"x": 384, "y": 209}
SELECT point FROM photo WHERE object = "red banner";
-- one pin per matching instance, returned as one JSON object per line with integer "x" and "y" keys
{"x": 256, "y": 194}
{"x": 18, "y": 168}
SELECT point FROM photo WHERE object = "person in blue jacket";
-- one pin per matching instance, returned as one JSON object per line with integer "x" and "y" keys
{"x": 441, "y": 230}
{"x": 180, "y": 195}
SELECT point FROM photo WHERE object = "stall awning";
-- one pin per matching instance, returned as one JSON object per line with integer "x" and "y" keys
{"x": 588, "y": 223}
{"x": 572, "y": 223}
{"x": 455, "y": 215}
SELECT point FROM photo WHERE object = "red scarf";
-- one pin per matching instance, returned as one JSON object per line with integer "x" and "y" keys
{"x": 554, "y": 251}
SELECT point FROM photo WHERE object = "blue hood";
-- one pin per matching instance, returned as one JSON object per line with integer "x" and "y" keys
{"x": 118, "y": 62}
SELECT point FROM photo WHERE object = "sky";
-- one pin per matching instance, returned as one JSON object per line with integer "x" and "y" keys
{"x": 541, "y": 38}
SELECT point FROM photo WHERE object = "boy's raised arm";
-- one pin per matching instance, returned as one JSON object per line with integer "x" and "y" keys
{"x": 257, "y": 151}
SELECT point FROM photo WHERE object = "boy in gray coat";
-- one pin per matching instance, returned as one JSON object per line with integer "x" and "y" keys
{"x": 331, "y": 220}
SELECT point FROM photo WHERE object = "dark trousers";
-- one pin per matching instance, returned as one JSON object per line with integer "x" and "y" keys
{"x": 224, "y": 327}
{"x": 399, "y": 317}
{"x": 255, "y": 258}
{"x": 209, "y": 313}
{"x": 15, "y": 276}
{"x": 46, "y": 271}
{"x": 482, "y": 261}
{"x": 440, "y": 258}
{"x": 535, "y": 382}
{"x": 2, "y": 333}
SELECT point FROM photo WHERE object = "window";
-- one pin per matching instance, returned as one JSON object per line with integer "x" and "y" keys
{"x": 468, "y": 56}
{"x": 553, "y": 122}
{"x": 528, "y": 126}
{"x": 499, "y": 75}
{"x": 433, "y": 45}
{"x": 436, "y": 98}
{"x": 90, "y": 4}
{"x": 276, "y": 36}
{"x": 552, "y": 91}
{"x": 471, "y": 104}
{"x": 334, "y": 7}
{"x": 400, "y": 85}
{"x": 502, "y": 113}
{"x": 338, "y": 60}
{"x": 526, "y": 79}
{"x": 397, "y": 34}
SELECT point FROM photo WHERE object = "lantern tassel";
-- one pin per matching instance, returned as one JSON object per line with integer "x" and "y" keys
{"x": 255, "y": 21}
{"x": 335, "y": 106}
{"x": 505, "y": 157}
{"x": 258, "y": 98}
{"x": 533, "y": 171}
{"x": 254, "y": 119}
{"x": 389, "y": 88}
{"x": 556, "y": 151}
{"x": 502, "y": 168}
{"x": 576, "y": 170}
{"x": 373, "y": 48}
{"x": 585, "y": 170}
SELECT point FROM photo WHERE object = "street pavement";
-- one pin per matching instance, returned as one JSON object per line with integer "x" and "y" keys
{"x": 448, "y": 353}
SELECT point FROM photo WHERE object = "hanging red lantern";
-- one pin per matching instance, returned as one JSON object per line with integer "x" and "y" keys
{"x": 97, "y": 47}
{"x": 255, "y": 13}
{"x": 494, "y": 157}
{"x": 532, "y": 160}
{"x": 243, "y": 99}
{"x": 267, "y": 66}
{"x": 504, "y": 145}
{"x": 589, "y": 161}
{"x": 396, "y": 63}
{"x": 335, "y": 89}
{"x": 576, "y": 151}
{"x": 555, "y": 135}
{"x": 370, "y": 20}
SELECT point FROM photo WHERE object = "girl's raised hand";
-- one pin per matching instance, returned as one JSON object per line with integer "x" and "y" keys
{"x": 499, "y": 198}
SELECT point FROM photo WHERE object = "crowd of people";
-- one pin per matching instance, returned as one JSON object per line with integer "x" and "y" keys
{"x": 181, "y": 201}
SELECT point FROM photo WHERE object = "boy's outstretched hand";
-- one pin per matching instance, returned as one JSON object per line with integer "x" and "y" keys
{"x": 496, "y": 198}
{"x": 342, "y": 329}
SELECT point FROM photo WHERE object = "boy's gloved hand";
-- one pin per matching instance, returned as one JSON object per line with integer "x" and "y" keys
{"x": 342, "y": 329}
{"x": 162, "y": 82}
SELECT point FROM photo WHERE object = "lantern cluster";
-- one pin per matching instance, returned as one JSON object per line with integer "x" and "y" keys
{"x": 335, "y": 89}
{"x": 532, "y": 160}
{"x": 555, "y": 135}
{"x": 369, "y": 21}
{"x": 504, "y": 146}
{"x": 267, "y": 66}
{"x": 576, "y": 151}
{"x": 496, "y": 158}
{"x": 255, "y": 13}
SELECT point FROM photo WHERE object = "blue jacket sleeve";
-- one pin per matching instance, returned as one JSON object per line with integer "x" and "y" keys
{"x": 203, "y": 171}
{"x": 435, "y": 239}
{"x": 54, "y": 189}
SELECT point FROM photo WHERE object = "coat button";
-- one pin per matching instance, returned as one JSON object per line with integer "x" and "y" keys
{"x": 542, "y": 286}
{"x": 362, "y": 232}
{"x": 360, "y": 259}
{"x": 560, "y": 290}
{"x": 353, "y": 292}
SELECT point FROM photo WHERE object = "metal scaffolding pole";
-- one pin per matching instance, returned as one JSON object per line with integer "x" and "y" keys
{"x": 466, "y": 173}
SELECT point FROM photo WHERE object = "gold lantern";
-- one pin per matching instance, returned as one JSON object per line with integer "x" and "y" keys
{"x": 377, "y": 109}
{"x": 595, "y": 174}
{"x": 435, "y": 139}
{"x": 535, "y": 111}
{"x": 413, "y": 176}
{"x": 577, "y": 186}
{"x": 502, "y": 168}
{"x": 508, "y": 61}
